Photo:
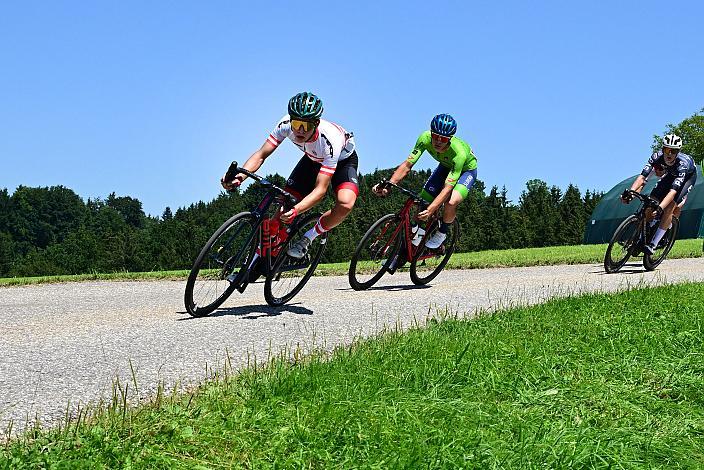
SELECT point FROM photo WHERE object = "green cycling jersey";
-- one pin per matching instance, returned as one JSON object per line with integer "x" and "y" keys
{"x": 458, "y": 158}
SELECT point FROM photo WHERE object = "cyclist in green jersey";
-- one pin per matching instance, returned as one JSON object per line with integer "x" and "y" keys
{"x": 451, "y": 180}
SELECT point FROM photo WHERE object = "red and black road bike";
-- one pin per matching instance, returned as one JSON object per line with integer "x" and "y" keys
{"x": 253, "y": 244}
{"x": 393, "y": 241}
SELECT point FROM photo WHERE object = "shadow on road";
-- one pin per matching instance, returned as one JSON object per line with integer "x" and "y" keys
{"x": 627, "y": 269}
{"x": 390, "y": 288}
{"x": 252, "y": 312}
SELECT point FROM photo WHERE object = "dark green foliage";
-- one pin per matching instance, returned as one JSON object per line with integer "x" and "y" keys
{"x": 49, "y": 231}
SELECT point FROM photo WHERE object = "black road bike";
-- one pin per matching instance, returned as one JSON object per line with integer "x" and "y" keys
{"x": 635, "y": 232}
{"x": 390, "y": 242}
{"x": 253, "y": 244}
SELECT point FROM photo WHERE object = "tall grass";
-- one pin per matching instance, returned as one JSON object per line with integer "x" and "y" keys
{"x": 592, "y": 381}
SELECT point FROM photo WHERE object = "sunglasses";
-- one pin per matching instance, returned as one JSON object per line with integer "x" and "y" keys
{"x": 440, "y": 138}
{"x": 296, "y": 124}
{"x": 670, "y": 151}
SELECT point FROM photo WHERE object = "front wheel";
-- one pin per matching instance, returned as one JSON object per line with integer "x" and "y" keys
{"x": 221, "y": 264}
{"x": 375, "y": 252}
{"x": 428, "y": 263}
{"x": 623, "y": 244}
{"x": 289, "y": 275}
{"x": 650, "y": 262}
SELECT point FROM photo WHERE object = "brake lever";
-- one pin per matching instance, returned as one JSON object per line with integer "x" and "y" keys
{"x": 232, "y": 171}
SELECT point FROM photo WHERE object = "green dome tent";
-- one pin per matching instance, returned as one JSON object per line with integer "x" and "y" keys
{"x": 610, "y": 211}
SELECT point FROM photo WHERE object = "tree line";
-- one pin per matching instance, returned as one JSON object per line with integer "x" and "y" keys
{"x": 51, "y": 230}
{"x": 45, "y": 231}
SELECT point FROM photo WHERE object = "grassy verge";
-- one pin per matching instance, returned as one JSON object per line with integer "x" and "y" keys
{"x": 593, "y": 381}
{"x": 577, "y": 254}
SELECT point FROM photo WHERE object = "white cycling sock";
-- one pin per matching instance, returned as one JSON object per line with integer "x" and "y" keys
{"x": 317, "y": 229}
{"x": 658, "y": 236}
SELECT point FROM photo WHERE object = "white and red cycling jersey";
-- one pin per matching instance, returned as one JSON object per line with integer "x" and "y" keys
{"x": 329, "y": 145}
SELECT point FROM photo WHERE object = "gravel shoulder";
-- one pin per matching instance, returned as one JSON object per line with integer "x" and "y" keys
{"x": 65, "y": 344}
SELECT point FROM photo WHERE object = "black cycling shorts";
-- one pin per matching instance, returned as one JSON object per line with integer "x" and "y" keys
{"x": 303, "y": 177}
{"x": 665, "y": 185}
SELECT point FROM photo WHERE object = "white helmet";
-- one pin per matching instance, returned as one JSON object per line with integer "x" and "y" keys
{"x": 672, "y": 141}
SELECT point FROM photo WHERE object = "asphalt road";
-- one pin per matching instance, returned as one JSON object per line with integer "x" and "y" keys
{"x": 64, "y": 345}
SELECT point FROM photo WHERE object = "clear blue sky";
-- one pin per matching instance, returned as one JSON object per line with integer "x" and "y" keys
{"x": 153, "y": 99}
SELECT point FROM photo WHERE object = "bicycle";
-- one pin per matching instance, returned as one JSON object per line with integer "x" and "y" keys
{"x": 633, "y": 234}
{"x": 390, "y": 243}
{"x": 249, "y": 245}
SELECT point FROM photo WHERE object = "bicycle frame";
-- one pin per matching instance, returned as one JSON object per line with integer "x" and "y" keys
{"x": 647, "y": 202}
{"x": 405, "y": 224}
{"x": 265, "y": 251}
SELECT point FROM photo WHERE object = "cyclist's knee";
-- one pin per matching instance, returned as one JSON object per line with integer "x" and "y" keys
{"x": 456, "y": 198}
{"x": 670, "y": 208}
{"x": 345, "y": 206}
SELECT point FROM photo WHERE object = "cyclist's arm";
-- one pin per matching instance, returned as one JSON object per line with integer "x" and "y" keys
{"x": 676, "y": 187}
{"x": 256, "y": 160}
{"x": 638, "y": 184}
{"x": 401, "y": 172}
{"x": 405, "y": 167}
{"x": 253, "y": 163}
{"x": 442, "y": 197}
{"x": 315, "y": 196}
{"x": 450, "y": 183}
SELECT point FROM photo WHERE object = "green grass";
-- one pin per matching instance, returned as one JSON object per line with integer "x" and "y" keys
{"x": 117, "y": 276}
{"x": 577, "y": 254}
{"x": 593, "y": 381}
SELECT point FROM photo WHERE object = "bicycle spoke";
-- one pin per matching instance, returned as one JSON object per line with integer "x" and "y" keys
{"x": 429, "y": 262}
{"x": 291, "y": 274}
{"x": 378, "y": 250}
{"x": 221, "y": 261}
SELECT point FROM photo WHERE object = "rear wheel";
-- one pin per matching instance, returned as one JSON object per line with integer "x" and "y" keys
{"x": 289, "y": 275}
{"x": 374, "y": 252}
{"x": 651, "y": 262}
{"x": 623, "y": 244}
{"x": 221, "y": 264}
{"x": 428, "y": 263}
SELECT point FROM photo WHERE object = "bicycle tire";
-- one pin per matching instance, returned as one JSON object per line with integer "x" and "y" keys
{"x": 611, "y": 266}
{"x": 648, "y": 262}
{"x": 449, "y": 249}
{"x": 317, "y": 247}
{"x": 244, "y": 256}
{"x": 394, "y": 244}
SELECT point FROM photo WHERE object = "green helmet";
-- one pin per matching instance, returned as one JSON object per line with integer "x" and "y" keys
{"x": 305, "y": 106}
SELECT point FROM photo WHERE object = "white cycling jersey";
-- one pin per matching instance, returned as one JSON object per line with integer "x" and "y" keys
{"x": 329, "y": 145}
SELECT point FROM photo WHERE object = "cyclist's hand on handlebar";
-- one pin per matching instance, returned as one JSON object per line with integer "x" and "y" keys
{"x": 426, "y": 213}
{"x": 234, "y": 182}
{"x": 626, "y": 197}
{"x": 381, "y": 190}
{"x": 287, "y": 217}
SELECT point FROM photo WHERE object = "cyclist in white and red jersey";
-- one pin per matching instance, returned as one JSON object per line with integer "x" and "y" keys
{"x": 329, "y": 157}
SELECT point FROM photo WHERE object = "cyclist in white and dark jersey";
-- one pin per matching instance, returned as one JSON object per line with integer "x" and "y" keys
{"x": 677, "y": 172}
{"x": 329, "y": 158}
